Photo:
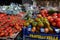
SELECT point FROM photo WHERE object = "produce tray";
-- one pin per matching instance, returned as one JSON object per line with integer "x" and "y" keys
{"x": 10, "y": 38}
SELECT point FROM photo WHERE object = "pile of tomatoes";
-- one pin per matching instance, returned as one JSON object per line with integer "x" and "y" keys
{"x": 53, "y": 18}
{"x": 10, "y": 24}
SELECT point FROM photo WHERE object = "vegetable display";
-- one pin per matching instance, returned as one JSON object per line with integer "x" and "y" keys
{"x": 10, "y": 24}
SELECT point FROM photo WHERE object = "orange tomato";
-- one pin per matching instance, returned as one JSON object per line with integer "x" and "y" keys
{"x": 46, "y": 30}
{"x": 33, "y": 29}
{"x": 2, "y": 34}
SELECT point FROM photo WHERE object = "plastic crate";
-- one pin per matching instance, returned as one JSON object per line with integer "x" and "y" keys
{"x": 17, "y": 36}
{"x": 26, "y": 35}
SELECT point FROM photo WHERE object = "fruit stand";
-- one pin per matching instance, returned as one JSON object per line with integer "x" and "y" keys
{"x": 42, "y": 26}
{"x": 11, "y": 22}
{"x": 29, "y": 22}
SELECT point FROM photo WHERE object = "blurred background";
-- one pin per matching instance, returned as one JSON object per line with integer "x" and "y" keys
{"x": 39, "y": 2}
{"x": 7, "y": 2}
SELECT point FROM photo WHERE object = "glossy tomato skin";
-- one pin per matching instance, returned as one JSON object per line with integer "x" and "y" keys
{"x": 51, "y": 20}
{"x": 57, "y": 20}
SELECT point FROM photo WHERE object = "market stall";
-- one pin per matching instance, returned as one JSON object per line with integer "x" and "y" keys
{"x": 31, "y": 20}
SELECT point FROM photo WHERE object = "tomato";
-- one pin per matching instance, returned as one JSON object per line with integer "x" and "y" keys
{"x": 2, "y": 34}
{"x": 17, "y": 27}
{"x": 53, "y": 23}
{"x": 54, "y": 14}
{"x": 58, "y": 15}
{"x": 10, "y": 30}
{"x": 57, "y": 20}
{"x": 46, "y": 30}
{"x": 7, "y": 29}
{"x": 49, "y": 17}
{"x": 15, "y": 30}
{"x": 58, "y": 24}
{"x": 51, "y": 20}
{"x": 6, "y": 34}
{"x": 33, "y": 29}
{"x": 2, "y": 28}
{"x": 11, "y": 24}
{"x": 44, "y": 13}
{"x": 55, "y": 17}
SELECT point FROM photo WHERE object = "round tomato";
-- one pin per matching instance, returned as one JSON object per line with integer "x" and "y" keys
{"x": 58, "y": 24}
{"x": 33, "y": 29}
{"x": 46, "y": 30}
{"x": 57, "y": 20}
{"x": 53, "y": 23}
{"x": 55, "y": 14}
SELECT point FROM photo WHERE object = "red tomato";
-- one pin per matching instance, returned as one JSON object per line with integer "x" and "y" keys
{"x": 49, "y": 17}
{"x": 58, "y": 15}
{"x": 57, "y": 20}
{"x": 51, "y": 20}
{"x": 55, "y": 14}
{"x": 55, "y": 17}
{"x": 6, "y": 34}
{"x": 53, "y": 23}
{"x": 2, "y": 28}
{"x": 10, "y": 30}
{"x": 58, "y": 24}
{"x": 44, "y": 13}
{"x": 11, "y": 24}
{"x": 2, "y": 34}
{"x": 15, "y": 30}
